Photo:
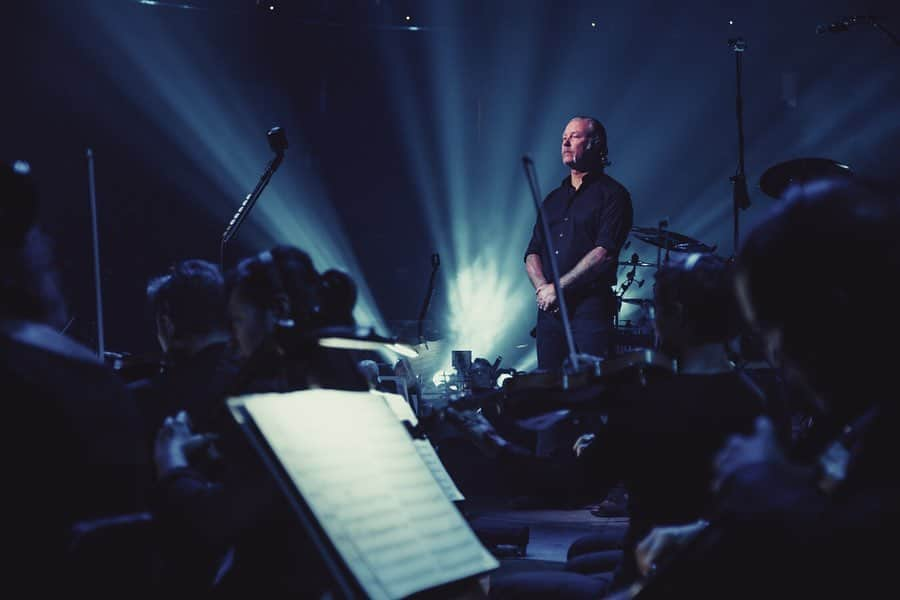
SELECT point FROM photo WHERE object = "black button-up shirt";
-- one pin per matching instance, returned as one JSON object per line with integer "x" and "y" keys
{"x": 599, "y": 213}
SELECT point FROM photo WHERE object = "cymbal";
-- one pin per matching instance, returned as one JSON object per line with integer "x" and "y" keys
{"x": 670, "y": 240}
{"x": 776, "y": 179}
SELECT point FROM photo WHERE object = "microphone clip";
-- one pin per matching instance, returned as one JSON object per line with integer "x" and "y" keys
{"x": 737, "y": 44}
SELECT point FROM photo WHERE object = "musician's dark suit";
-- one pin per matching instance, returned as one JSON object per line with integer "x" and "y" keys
{"x": 659, "y": 440}
{"x": 71, "y": 452}
{"x": 196, "y": 384}
{"x": 240, "y": 518}
{"x": 775, "y": 520}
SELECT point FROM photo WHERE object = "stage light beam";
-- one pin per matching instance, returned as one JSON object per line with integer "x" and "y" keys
{"x": 183, "y": 84}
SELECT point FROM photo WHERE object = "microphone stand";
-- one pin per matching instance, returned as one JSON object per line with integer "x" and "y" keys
{"x": 92, "y": 191}
{"x": 531, "y": 175}
{"x": 876, "y": 23}
{"x": 278, "y": 143}
{"x": 741, "y": 198}
{"x": 845, "y": 23}
{"x": 435, "y": 263}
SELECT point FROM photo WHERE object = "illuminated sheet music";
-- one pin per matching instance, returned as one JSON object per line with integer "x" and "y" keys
{"x": 438, "y": 470}
{"x": 404, "y": 412}
{"x": 355, "y": 465}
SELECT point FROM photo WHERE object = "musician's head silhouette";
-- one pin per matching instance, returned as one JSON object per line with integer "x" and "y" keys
{"x": 804, "y": 282}
{"x": 29, "y": 284}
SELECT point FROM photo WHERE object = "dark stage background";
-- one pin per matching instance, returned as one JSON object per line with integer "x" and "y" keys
{"x": 406, "y": 135}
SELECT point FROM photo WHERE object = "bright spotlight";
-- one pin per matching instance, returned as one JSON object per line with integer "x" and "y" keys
{"x": 217, "y": 123}
{"x": 479, "y": 313}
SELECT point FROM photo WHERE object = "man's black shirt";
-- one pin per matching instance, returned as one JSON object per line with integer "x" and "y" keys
{"x": 599, "y": 213}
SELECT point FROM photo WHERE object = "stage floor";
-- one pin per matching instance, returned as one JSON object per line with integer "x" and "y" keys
{"x": 551, "y": 531}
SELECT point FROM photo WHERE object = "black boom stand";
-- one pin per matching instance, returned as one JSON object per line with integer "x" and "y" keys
{"x": 278, "y": 144}
{"x": 740, "y": 196}
{"x": 435, "y": 264}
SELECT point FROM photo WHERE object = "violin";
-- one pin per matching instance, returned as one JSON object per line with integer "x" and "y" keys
{"x": 552, "y": 396}
{"x": 528, "y": 394}
{"x": 134, "y": 367}
{"x": 675, "y": 575}
{"x": 636, "y": 366}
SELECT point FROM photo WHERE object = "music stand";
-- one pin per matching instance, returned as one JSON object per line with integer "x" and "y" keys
{"x": 347, "y": 587}
{"x": 376, "y": 511}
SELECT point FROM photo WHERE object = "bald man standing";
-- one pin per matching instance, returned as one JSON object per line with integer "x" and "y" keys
{"x": 589, "y": 217}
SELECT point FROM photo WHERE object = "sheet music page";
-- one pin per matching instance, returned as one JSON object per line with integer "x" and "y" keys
{"x": 404, "y": 412}
{"x": 438, "y": 470}
{"x": 370, "y": 490}
{"x": 400, "y": 406}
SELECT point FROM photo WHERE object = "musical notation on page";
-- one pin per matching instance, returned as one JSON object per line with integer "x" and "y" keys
{"x": 368, "y": 485}
{"x": 403, "y": 411}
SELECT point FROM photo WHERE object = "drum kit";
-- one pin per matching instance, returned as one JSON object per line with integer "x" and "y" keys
{"x": 636, "y": 332}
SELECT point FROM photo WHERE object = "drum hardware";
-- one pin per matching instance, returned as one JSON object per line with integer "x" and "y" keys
{"x": 637, "y": 301}
{"x": 638, "y": 263}
{"x": 670, "y": 241}
{"x": 634, "y": 262}
{"x": 629, "y": 280}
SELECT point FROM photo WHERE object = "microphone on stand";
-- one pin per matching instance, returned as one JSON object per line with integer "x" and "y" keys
{"x": 278, "y": 144}
{"x": 277, "y": 140}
